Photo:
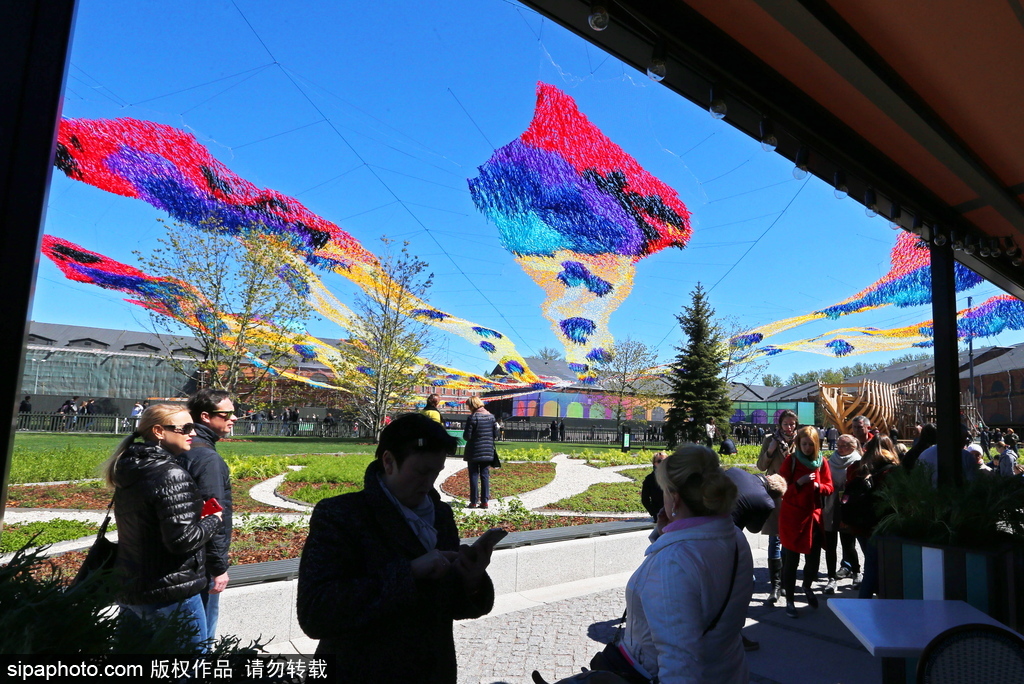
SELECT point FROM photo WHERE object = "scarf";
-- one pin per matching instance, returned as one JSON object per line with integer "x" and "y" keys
{"x": 843, "y": 462}
{"x": 419, "y": 519}
{"x": 813, "y": 465}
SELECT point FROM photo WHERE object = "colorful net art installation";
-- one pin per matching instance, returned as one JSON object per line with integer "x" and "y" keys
{"x": 578, "y": 213}
{"x": 993, "y": 316}
{"x": 180, "y": 301}
{"x": 908, "y": 283}
{"x": 172, "y": 171}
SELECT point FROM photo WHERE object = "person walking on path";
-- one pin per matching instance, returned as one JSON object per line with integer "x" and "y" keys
{"x": 382, "y": 576}
{"x": 161, "y": 534}
{"x": 774, "y": 450}
{"x": 213, "y": 413}
{"x": 808, "y": 479}
{"x": 480, "y": 433}
{"x": 430, "y": 410}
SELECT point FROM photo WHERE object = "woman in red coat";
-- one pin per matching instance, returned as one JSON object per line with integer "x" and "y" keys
{"x": 808, "y": 481}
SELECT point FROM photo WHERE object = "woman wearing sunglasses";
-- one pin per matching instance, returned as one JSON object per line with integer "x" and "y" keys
{"x": 161, "y": 530}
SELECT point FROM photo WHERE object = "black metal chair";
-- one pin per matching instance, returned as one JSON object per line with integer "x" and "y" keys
{"x": 972, "y": 654}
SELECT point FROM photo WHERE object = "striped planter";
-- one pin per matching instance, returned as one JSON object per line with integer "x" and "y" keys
{"x": 986, "y": 579}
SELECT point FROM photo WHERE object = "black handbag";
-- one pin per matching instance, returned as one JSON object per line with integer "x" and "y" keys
{"x": 496, "y": 463}
{"x": 102, "y": 555}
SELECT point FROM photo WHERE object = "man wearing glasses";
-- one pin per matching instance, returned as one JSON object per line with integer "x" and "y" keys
{"x": 214, "y": 415}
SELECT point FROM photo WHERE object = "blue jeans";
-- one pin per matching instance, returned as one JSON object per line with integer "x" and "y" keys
{"x": 774, "y": 547}
{"x": 869, "y": 582}
{"x": 136, "y": 617}
{"x": 483, "y": 472}
{"x": 211, "y": 602}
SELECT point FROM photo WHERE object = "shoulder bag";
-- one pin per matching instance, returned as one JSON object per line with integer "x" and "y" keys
{"x": 102, "y": 556}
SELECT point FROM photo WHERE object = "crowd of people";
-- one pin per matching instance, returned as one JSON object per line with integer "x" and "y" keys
{"x": 390, "y": 554}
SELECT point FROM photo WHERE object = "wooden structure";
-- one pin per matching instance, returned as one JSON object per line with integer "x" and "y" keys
{"x": 841, "y": 402}
{"x": 887, "y": 406}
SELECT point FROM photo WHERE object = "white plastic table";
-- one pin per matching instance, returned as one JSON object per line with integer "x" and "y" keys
{"x": 900, "y": 628}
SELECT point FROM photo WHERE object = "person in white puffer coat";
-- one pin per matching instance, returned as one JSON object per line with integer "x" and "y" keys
{"x": 686, "y": 603}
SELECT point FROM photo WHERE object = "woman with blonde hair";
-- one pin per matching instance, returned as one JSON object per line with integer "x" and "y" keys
{"x": 808, "y": 480}
{"x": 480, "y": 433}
{"x": 161, "y": 531}
{"x": 686, "y": 603}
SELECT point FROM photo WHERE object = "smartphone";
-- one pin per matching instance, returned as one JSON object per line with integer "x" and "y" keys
{"x": 210, "y": 507}
{"x": 491, "y": 537}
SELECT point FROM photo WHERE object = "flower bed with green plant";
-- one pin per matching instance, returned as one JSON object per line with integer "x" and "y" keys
{"x": 324, "y": 477}
{"x": 608, "y": 497}
{"x": 18, "y": 535}
{"x": 511, "y": 479}
{"x": 605, "y": 459}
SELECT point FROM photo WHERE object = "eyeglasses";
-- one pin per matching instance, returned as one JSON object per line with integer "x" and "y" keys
{"x": 181, "y": 429}
{"x": 222, "y": 414}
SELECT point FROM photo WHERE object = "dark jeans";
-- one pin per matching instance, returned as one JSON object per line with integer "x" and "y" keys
{"x": 849, "y": 543}
{"x": 869, "y": 584}
{"x": 790, "y": 561}
{"x": 483, "y": 472}
{"x": 774, "y": 547}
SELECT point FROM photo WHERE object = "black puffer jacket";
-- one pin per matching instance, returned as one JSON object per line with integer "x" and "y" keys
{"x": 213, "y": 478}
{"x": 480, "y": 432}
{"x": 357, "y": 595}
{"x": 160, "y": 535}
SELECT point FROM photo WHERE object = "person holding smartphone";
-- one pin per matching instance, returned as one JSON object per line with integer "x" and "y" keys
{"x": 382, "y": 575}
{"x": 162, "y": 530}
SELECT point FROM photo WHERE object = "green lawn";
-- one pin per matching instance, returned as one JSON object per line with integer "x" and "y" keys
{"x": 618, "y": 497}
{"x": 48, "y": 457}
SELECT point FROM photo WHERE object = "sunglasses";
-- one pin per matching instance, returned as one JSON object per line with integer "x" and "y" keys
{"x": 222, "y": 414}
{"x": 181, "y": 429}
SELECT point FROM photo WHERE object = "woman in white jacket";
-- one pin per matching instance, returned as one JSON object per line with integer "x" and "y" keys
{"x": 686, "y": 604}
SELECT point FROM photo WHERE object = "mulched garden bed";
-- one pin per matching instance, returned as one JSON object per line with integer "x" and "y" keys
{"x": 91, "y": 497}
{"x": 510, "y": 480}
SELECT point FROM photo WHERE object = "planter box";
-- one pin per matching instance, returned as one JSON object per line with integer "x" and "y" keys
{"x": 986, "y": 579}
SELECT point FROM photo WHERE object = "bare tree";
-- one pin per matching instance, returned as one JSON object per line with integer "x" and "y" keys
{"x": 387, "y": 339}
{"x": 550, "y": 354}
{"x": 239, "y": 306}
{"x": 734, "y": 369}
{"x": 629, "y": 378}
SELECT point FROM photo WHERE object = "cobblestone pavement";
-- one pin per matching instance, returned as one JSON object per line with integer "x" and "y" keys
{"x": 557, "y": 639}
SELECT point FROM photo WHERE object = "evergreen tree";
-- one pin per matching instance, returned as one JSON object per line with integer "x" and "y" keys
{"x": 699, "y": 392}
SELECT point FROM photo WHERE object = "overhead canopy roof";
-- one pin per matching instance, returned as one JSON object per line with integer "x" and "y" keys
{"x": 921, "y": 101}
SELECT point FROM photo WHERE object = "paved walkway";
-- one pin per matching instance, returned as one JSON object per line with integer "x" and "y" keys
{"x": 557, "y": 629}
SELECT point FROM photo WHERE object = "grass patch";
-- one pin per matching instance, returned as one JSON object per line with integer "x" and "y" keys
{"x": 610, "y": 497}
{"x": 332, "y": 469}
{"x": 19, "y": 534}
{"x": 326, "y": 476}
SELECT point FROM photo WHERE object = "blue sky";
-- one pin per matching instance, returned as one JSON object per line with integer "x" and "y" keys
{"x": 375, "y": 114}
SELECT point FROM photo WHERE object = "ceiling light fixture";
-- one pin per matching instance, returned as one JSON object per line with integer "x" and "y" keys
{"x": 768, "y": 140}
{"x": 870, "y": 203}
{"x": 598, "y": 18}
{"x": 842, "y": 190}
{"x": 800, "y": 167}
{"x": 657, "y": 69}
